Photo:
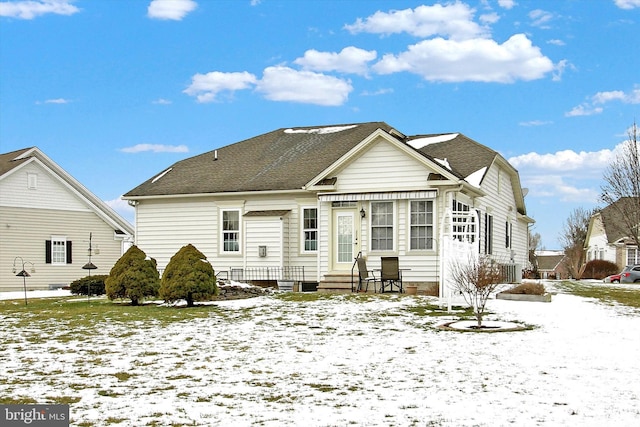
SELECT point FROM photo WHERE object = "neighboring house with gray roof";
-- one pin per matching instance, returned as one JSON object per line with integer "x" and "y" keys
{"x": 607, "y": 238}
{"x": 46, "y": 218}
{"x": 316, "y": 197}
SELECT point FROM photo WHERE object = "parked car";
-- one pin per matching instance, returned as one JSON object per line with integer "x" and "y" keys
{"x": 630, "y": 274}
{"x": 614, "y": 278}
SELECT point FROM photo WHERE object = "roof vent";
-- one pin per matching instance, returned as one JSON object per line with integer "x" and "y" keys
{"x": 215, "y": 154}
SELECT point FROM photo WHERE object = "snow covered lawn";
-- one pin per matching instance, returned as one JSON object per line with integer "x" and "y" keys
{"x": 330, "y": 361}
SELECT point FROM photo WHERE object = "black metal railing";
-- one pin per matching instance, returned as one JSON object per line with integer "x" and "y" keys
{"x": 294, "y": 273}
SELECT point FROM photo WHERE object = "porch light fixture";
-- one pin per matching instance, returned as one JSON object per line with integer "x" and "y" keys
{"x": 23, "y": 273}
{"x": 362, "y": 213}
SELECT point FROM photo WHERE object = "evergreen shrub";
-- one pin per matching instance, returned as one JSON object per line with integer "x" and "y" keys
{"x": 188, "y": 276}
{"x": 81, "y": 286}
{"x": 133, "y": 276}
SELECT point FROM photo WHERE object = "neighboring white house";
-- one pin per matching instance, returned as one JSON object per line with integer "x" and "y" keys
{"x": 607, "y": 238}
{"x": 316, "y": 197}
{"x": 46, "y": 218}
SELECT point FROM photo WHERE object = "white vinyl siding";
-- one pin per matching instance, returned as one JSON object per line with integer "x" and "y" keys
{"x": 48, "y": 193}
{"x": 25, "y": 234}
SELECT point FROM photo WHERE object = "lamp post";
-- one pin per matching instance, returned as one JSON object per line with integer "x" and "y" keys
{"x": 90, "y": 266}
{"x": 23, "y": 273}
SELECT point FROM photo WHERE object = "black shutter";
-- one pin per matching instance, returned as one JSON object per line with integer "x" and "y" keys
{"x": 47, "y": 251}
{"x": 68, "y": 252}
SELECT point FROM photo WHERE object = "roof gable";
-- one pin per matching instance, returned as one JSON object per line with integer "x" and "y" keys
{"x": 14, "y": 161}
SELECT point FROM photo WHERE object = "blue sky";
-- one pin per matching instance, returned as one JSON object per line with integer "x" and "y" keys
{"x": 115, "y": 91}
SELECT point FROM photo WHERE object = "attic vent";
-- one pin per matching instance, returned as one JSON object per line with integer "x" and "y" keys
{"x": 436, "y": 177}
{"x": 215, "y": 155}
{"x": 161, "y": 175}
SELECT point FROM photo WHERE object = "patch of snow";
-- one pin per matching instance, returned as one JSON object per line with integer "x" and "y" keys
{"x": 321, "y": 131}
{"x": 339, "y": 360}
{"x": 444, "y": 162}
{"x": 476, "y": 178}
{"x": 161, "y": 175}
{"x": 34, "y": 294}
{"x": 418, "y": 143}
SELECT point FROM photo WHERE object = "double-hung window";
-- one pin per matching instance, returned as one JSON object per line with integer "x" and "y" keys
{"x": 382, "y": 226}
{"x": 421, "y": 224}
{"x": 633, "y": 256}
{"x": 310, "y": 229}
{"x": 58, "y": 251}
{"x": 231, "y": 231}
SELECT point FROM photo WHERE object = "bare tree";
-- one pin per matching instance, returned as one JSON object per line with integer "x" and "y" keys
{"x": 476, "y": 280}
{"x": 621, "y": 188}
{"x": 573, "y": 238}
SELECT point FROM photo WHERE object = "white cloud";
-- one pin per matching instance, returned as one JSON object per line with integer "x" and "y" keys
{"x": 206, "y": 87}
{"x": 556, "y": 42}
{"x": 627, "y": 4}
{"x": 507, "y": 4}
{"x": 480, "y": 60}
{"x": 489, "y": 18}
{"x": 540, "y": 18}
{"x": 285, "y": 84}
{"x": 377, "y": 92}
{"x": 453, "y": 20}
{"x": 561, "y": 176}
{"x": 535, "y": 123}
{"x": 155, "y": 148}
{"x": 584, "y": 110}
{"x": 29, "y": 9}
{"x": 170, "y": 9}
{"x": 54, "y": 101}
{"x": 565, "y": 160}
{"x": 350, "y": 60}
{"x": 601, "y": 98}
{"x": 123, "y": 208}
{"x": 162, "y": 101}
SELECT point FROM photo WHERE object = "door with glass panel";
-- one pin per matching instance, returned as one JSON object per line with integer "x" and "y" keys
{"x": 345, "y": 239}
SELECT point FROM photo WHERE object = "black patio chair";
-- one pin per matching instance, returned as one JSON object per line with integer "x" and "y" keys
{"x": 391, "y": 275}
{"x": 365, "y": 276}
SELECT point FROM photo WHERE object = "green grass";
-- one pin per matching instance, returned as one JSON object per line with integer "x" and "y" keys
{"x": 610, "y": 294}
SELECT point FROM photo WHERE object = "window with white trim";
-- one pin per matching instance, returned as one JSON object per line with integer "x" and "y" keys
{"x": 58, "y": 251}
{"x": 230, "y": 231}
{"x": 633, "y": 256}
{"x": 310, "y": 229}
{"x": 421, "y": 224}
{"x": 382, "y": 226}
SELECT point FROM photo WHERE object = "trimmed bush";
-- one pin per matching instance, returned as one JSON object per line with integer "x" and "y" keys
{"x": 599, "y": 269}
{"x": 134, "y": 276}
{"x": 188, "y": 276}
{"x": 527, "y": 288}
{"x": 80, "y": 286}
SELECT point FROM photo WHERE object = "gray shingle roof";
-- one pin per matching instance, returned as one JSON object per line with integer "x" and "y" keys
{"x": 465, "y": 155}
{"x": 284, "y": 159}
{"x": 8, "y": 162}
{"x": 288, "y": 159}
{"x": 613, "y": 217}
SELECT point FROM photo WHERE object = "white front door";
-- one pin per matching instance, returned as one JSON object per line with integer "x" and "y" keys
{"x": 345, "y": 239}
